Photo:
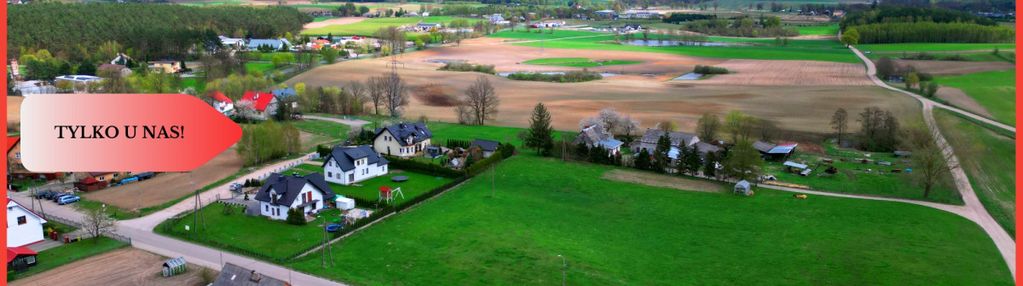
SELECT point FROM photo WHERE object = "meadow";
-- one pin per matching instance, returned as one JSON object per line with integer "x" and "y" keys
{"x": 989, "y": 160}
{"x": 369, "y": 190}
{"x": 818, "y": 30}
{"x": 330, "y": 129}
{"x": 610, "y": 232}
{"x": 742, "y": 48}
{"x": 935, "y": 47}
{"x": 370, "y": 26}
{"x": 994, "y": 90}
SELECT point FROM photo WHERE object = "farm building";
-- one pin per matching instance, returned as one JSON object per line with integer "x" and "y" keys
{"x": 426, "y": 27}
{"x": 351, "y": 164}
{"x": 488, "y": 147}
{"x": 165, "y": 66}
{"x": 90, "y": 184}
{"x": 650, "y": 138}
{"x": 402, "y": 139}
{"x": 275, "y": 44}
{"x": 775, "y": 152}
{"x": 24, "y": 226}
{"x": 281, "y": 193}
{"x": 20, "y": 258}
{"x": 234, "y": 275}
{"x": 235, "y": 43}
{"x": 743, "y": 188}
{"x": 595, "y": 135}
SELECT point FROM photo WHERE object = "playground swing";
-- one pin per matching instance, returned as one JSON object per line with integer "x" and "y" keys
{"x": 387, "y": 194}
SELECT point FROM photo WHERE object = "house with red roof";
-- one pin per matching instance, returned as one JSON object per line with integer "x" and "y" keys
{"x": 24, "y": 226}
{"x": 16, "y": 169}
{"x": 222, "y": 103}
{"x": 260, "y": 104}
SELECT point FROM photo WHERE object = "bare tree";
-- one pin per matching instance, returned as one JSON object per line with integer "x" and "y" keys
{"x": 629, "y": 126}
{"x": 376, "y": 87}
{"x": 840, "y": 122}
{"x": 481, "y": 100}
{"x": 97, "y": 221}
{"x": 357, "y": 90}
{"x": 708, "y": 125}
{"x": 930, "y": 164}
{"x": 395, "y": 94}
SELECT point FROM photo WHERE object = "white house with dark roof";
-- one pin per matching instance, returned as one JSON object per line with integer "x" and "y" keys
{"x": 650, "y": 138}
{"x": 350, "y": 164}
{"x": 281, "y": 193}
{"x": 24, "y": 226}
{"x": 402, "y": 140}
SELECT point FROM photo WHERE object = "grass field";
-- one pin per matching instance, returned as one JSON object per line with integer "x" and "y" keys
{"x": 258, "y": 67}
{"x": 64, "y": 254}
{"x": 369, "y": 190}
{"x": 818, "y": 30}
{"x": 370, "y": 26}
{"x": 443, "y": 131}
{"x": 325, "y": 128}
{"x": 256, "y": 234}
{"x": 852, "y": 176}
{"x": 578, "y": 62}
{"x": 759, "y": 49}
{"x": 995, "y": 91}
{"x": 614, "y": 233}
{"x": 989, "y": 161}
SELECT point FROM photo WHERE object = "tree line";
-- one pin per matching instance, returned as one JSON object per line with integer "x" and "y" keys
{"x": 930, "y": 32}
{"x": 146, "y": 31}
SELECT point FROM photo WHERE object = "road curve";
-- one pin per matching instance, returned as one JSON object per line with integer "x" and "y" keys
{"x": 975, "y": 211}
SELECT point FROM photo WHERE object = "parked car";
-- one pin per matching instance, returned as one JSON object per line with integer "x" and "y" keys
{"x": 56, "y": 198}
{"x": 42, "y": 194}
{"x": 145, "y": 175}
{"x": 68, "y": 199}
{"x": 236, "y": 187}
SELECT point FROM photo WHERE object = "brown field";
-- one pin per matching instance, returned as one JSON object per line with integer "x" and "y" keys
{"x": 657, "y": 180}
{"x": 955, "y": 67}
{"x": 644, "y": 92}
{"x": 789, "y": 73}
{"x": 958, "y": 98}
{"x": 167, "y": 187}
{"x": 128, "y": 266}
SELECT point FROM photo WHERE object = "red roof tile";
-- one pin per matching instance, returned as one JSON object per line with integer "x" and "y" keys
{"x": 260, "y": 100}
{"x": 13, "y": 252}
{"x": 219, "y": 96}
{"x": 11, "y": 141}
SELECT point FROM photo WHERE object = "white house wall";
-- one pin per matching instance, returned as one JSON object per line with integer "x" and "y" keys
{"x": 29, "y": 232}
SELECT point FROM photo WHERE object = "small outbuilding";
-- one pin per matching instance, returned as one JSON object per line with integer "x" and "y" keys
{"x": 488, "y": 147}
{"x": 174, "y": 266}
{"x": 234, "y": 275}
{"x": 743, "y": 188}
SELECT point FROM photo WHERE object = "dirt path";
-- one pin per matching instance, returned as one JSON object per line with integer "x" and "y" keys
{"x": 353, "y": 123}
{"x": 974, "y": 211}
{"x": 127, "y": 266}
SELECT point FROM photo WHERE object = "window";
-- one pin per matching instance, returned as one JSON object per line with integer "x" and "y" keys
{"x": 329, "y": 174}
{"x": 17, "y": 155}
{"x": 267, "y": 208}
{"x": 22, "y": 220}
{"x": 30, "y": 259}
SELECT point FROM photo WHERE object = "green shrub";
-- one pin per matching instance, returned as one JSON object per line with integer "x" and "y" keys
{"x": 467, "y": 67}
{"x": 296, "y": 217}
{"x": 572, "y": 76}
{"x": 710, "y": 70}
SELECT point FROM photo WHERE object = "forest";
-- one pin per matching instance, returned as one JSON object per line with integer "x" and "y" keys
{"x": 146, "y": 31}
{"x": 930, "y": 32}
{"x": 896, "y": 14}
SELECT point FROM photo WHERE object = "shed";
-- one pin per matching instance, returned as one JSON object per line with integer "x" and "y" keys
{"x": 793, "y": 165}
{"x": 344, "y": 203}
{"x": 174, "y": 266}
{"x": 743, "y": 188}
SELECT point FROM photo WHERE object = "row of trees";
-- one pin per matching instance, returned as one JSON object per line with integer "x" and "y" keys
{"x": 879, "y": 129}
{"x": 267, "y": 141}
{"x": 764, "y": 26}
{"x": 72, "y": 31}
{"x": 930, "y": 32}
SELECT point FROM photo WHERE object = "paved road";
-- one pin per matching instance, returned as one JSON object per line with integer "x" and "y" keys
{"x": 975, "y": 211}
{"x": 354, "y": 123}
{"x": 140, "y": 230}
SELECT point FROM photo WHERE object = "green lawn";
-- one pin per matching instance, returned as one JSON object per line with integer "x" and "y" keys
{"x": 320, "y": 127}
{"x": 818, "y": 30}
{"x": 989, "y": 160}
{"x": 443, "y": 131}
{"x": 369, "y": 190}
{"x": 254, "y": 234}
{"x": 258, "y": 67}
{"x": 935, "y": 47}
{"x": 370, "y": 26}
{"x": 852, "y": 176}
{"x": 578, "y": 62}
{"x": 64, "y": 254}
{"x": 994, "y": 90}
{"x": 614, "y": 233}
{"x": 197, "y": 83}
{"x": 750, "y": 48}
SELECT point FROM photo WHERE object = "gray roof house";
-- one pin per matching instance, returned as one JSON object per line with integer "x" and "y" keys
{"x": 487, "y": 146}
{"x": 346, "y": 156}
{"x": 350, "y": 164}
{"x": 287, "y": 188}
{"x": 234, "y": 275}
{"x": 595, "y": 135}
{"x": 407, "y": 133}
{"x": 650, "y": 138}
